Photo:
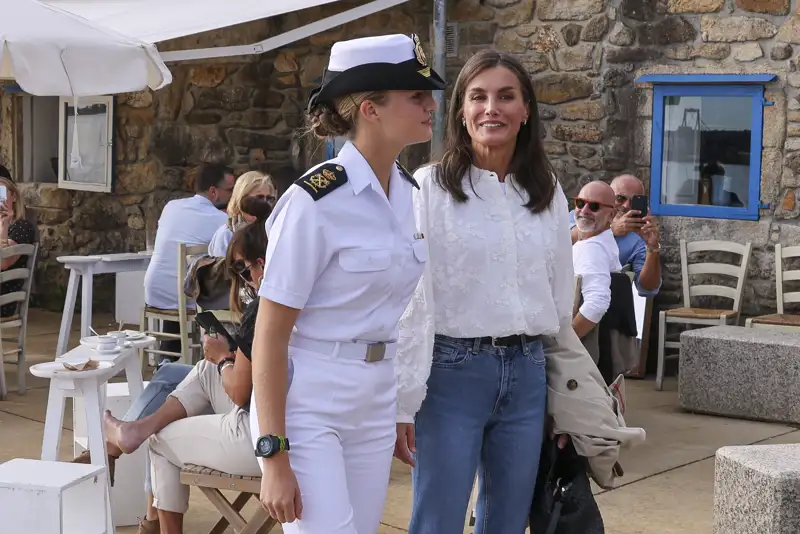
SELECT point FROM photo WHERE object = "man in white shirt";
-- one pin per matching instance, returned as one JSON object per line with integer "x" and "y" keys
{"x": 595, "y": 255}
{"x": 192, "y": 221}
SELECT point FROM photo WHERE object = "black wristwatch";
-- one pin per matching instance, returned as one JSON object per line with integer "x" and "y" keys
{"x": 269, "y": 445}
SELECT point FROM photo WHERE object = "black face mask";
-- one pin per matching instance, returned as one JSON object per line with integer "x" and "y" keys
{"x": 220, "y": 205}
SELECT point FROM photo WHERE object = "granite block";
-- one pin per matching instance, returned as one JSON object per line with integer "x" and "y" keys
{"x": 757, "y": 490}
{"x": 740, "y": 372}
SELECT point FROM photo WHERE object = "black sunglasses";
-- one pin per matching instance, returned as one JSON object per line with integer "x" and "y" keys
{"x": 269, "y": 198}
{"x": 243, "y": 270}
{"x": 593, "y": 206}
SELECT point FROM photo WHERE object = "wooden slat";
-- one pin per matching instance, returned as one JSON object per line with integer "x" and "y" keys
{"x": 224, "y": 507}
{"x": 791, "y": 276}
{"x": 714, "y": 245}
{"x": 790, "y": 252}
{"x": 238, "y": 504}
{"x": 791, "y": 297}
{"x": 715, "y": 268}
{"x": 706, "y": 290}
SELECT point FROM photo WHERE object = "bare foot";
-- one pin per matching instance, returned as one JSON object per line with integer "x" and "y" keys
{"x": 125, "y": 436}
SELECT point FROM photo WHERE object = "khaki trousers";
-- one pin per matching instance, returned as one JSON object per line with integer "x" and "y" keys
{"x": 220, "y": 441}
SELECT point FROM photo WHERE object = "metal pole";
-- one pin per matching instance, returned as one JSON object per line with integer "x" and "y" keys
{"x": 439, "y": 60}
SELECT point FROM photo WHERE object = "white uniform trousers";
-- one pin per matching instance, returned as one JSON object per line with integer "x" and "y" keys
{"x": 340, "y": 422}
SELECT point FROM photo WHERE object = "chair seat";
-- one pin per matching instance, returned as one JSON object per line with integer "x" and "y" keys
{"x": 700, "y": 313}
{"x": 161, "y": 311}
{"x": 778, "y": 319}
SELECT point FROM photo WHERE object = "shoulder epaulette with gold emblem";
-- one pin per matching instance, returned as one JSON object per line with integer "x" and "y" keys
{"x": 407, "y": 175}
{"x": 323, "y": 180}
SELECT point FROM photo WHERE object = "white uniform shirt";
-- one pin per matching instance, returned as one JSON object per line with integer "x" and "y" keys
{"x": 188, "y": 220}
{"x": 349, "y": 260}
{"x": 495, "y": 269}
{"x": 594, "y": 259}
{"x": 220, "y": 241}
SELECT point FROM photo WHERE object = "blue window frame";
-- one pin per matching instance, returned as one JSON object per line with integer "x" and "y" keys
{"x": 706, "y": 145}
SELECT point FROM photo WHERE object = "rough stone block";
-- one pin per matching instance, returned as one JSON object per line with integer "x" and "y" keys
{"x": 756, "y": 490}
{"x": 749, "y": 373}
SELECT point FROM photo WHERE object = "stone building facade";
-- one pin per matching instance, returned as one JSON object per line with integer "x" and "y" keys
{"x": 584, "y": 56}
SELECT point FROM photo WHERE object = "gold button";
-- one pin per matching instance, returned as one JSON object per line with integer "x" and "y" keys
{"x": 339, "y": 168}
{"x": 572, "y": 384}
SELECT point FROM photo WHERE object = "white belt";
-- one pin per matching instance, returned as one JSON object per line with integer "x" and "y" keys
{"x": 366, "y": 351}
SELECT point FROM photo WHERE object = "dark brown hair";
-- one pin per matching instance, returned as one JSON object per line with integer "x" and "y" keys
{"x": 249, "y": 243}
{"x": 530, "y": 166}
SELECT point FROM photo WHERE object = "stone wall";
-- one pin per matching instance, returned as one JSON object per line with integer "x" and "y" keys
{"x": 244, "y": 111}
{"x": 584, "y": 56}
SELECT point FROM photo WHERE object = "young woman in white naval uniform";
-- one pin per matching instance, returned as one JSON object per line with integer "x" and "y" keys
{"x": 342, "y": 262}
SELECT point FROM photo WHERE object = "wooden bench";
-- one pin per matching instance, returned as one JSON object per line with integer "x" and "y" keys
{"x": 211, "y": 482}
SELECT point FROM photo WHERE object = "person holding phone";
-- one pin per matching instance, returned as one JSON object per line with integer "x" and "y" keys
{"x": 636, "y": 233}
{"x": 15, "y": 229}
{"x": 205, "y": 420}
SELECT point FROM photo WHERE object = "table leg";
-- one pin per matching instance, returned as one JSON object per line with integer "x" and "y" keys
{"x": 53, "y": 422}
{"x": 69, "y": 311}
{"x": 133, "y": 374}
{"x": 86, "y": 301}
{"x": 92, "y": 398}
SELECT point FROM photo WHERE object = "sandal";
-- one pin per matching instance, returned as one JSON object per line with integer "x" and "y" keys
{"x": 149, "y": 527}
{"x": 86, "y": 458}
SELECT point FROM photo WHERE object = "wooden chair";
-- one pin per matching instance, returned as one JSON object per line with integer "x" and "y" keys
{"x": 20, "y": 319}
{"x": 182, "y": 315}
{"x": 703, "y": 316}
{"x": 211, "y": 482}
{"x": 781, "y": 320}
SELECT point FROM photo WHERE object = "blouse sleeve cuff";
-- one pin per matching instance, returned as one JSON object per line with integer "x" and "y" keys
{"x": 282, "y": 296}
{"x": 401, "y": 418}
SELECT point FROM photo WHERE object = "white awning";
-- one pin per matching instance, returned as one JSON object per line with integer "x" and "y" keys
{"x": 154, "y": 21}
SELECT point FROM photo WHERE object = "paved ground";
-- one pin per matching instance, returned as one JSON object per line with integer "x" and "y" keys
{"x": 667, "y": 486}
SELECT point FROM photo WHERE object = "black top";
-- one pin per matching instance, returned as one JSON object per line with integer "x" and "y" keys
{"x": 21, "y": 232}
{"x": 245, "y": 332}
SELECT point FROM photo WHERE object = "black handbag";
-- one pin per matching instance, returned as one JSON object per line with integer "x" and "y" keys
{"x": 563, "y": 502}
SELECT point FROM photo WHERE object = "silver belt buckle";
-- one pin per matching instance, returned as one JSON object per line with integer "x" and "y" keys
{"x": 375, "y": 352}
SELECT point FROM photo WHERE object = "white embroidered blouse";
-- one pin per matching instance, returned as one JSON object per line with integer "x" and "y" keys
{"x": 494, "y": 269}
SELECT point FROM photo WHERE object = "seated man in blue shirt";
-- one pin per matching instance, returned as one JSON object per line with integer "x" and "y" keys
{"x": 637, "y": 237}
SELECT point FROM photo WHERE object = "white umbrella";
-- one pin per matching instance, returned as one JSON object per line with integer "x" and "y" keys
{"x": 50, "y": 52}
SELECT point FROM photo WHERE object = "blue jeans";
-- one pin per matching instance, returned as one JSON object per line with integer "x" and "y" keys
{"x": 485, "y": 410}
{"x": 154, "y": 396}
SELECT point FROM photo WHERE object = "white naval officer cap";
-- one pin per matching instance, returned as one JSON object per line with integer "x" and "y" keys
{"x": 382, "y": 63}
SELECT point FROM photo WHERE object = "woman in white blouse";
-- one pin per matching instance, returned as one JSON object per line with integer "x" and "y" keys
{"x": 252, "y": 185}
{"x": 470, "y": 362}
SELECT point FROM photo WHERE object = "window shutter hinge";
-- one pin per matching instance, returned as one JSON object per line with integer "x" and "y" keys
{"x": 764, "y": 206}
{"x": 766, "y": 102}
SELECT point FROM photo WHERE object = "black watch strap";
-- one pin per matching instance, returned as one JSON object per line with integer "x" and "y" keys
{"x": 223, "y": 361}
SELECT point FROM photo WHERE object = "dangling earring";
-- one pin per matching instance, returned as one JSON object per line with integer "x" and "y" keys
{"x": 463, "y": 122}
{"x": 525, "y": 122}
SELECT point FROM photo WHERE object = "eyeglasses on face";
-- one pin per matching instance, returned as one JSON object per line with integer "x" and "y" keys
{"x": 243, "y": 270}
{"x": 593, "y": 206}
{"x": 268, "y": 198}
{"x": 621, "y": 199}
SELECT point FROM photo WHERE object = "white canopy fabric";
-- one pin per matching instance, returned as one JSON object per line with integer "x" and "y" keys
{"x": 154, "y": 21}
{"x": 50, "y": 52}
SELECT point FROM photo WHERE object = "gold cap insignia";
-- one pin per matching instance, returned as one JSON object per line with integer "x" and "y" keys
{"x": 419, "y": 52}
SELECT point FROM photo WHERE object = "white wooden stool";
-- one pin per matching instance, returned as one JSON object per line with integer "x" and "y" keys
{"x": 38, "y": 497}
{"x": 128, "y": 499}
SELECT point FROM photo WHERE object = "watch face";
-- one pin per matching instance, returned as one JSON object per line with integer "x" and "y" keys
{"x": 264, "y": 446}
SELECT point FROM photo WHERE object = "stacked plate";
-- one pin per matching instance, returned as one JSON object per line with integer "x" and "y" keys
{"x": 113, "y": 342}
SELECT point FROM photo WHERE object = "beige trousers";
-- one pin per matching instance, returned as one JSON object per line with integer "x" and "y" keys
{"x": 220, "y": 441}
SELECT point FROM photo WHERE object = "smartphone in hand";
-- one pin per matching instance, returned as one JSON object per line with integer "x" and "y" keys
{"x": 3, "y": 193}
{"x": 639, "y": 203}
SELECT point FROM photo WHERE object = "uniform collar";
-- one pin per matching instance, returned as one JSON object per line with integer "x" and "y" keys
{"x": 359, "y": 173}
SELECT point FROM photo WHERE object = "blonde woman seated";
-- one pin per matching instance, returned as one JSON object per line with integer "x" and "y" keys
{"x": 205, "y": 421}
{"x": 253, "y": 185}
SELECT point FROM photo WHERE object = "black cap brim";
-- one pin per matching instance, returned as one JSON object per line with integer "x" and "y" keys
{"x": 405, "y": 76}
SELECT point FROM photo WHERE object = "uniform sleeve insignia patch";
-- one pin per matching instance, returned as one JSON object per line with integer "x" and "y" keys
{"x": 323, "y": 180}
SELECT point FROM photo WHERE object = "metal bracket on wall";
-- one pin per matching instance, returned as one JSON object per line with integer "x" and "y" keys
{"x": 767, "y": 102}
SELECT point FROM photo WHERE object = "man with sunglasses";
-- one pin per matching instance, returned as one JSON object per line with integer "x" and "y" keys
{"x": 595, "y": 254}
{"x": 637, "y": 237}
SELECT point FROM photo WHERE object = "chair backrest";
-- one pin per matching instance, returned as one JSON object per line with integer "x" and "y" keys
{"x": 22, "y": 297}
{"x": 184, "y": 253}
{"x": 711, "y": 268}
{"x": 785, "y": 275}
{"x": 576, "y": 302}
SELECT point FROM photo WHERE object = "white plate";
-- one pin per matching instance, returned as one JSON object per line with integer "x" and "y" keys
{"x": 91, "y": 342}
{"x": 47, "y": 369}
{"x": 133, "y": 335}
{"x": 107, "y": 352}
